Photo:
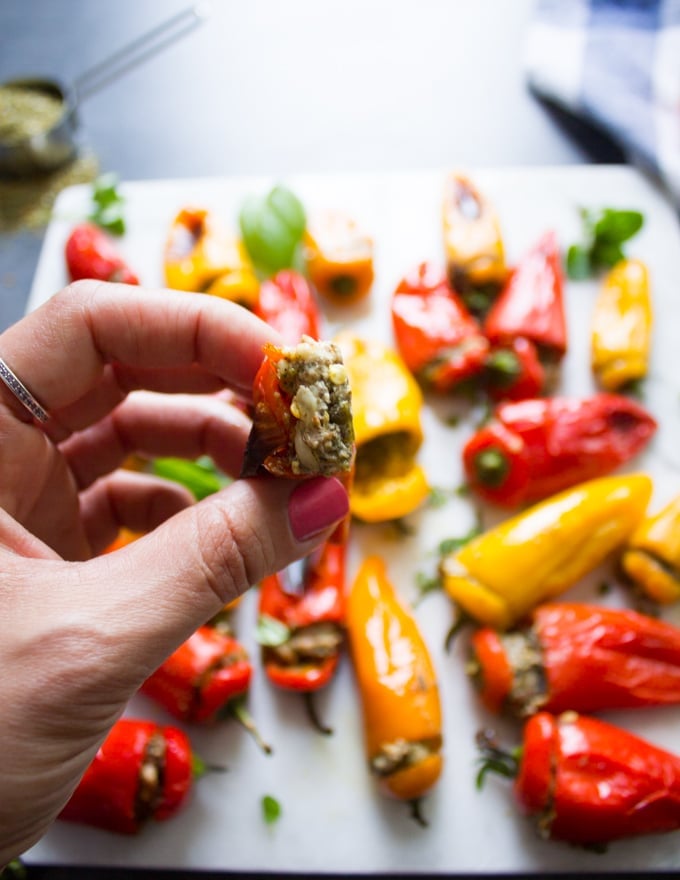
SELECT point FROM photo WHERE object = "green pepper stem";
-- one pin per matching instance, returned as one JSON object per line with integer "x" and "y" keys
{"x": 491, "y": 467}
{"x": 313, "y": 715}
{"x": 238, "y": 711}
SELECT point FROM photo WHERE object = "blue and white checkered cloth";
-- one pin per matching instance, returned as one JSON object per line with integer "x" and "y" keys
{"x": 614, "y": 64}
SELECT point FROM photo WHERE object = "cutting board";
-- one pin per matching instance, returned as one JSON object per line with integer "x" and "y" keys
{"x": 333, "y": 819}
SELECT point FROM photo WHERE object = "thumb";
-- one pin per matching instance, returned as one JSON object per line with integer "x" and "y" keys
{"x": 166, "y": 584}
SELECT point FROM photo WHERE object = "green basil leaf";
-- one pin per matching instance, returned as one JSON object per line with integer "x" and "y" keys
{"x": 617, "y": 226}
{"x": 578, "y": 262}
{"x": 271, "y": 809}
{"x": 270, "y": 632}
{"x": 605, "y": 254}
{"x": 201, "y": 477}
{"x": 272, "y": 228}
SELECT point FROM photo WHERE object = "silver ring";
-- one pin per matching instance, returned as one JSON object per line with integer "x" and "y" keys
{"x": 21, "y": 392}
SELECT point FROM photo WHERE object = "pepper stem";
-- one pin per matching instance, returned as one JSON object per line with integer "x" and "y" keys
{"x": 416, "y": 812}
{"x": 494, "y": 759}
{"x": 491, "y": 467}
{"x": 313, "y": 715}
{"x": 238, "y": 711}
{"x": 460, "y": 622}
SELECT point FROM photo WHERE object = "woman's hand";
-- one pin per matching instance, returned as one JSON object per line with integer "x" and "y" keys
{"x": 81, "y": 631}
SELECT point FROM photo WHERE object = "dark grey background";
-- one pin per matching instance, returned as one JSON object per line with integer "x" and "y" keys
{"x": 271, "y": 87}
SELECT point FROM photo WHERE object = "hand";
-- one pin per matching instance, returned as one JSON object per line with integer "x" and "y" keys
{"x": 80, "y": 631}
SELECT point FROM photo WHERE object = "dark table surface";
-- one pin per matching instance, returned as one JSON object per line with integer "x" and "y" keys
{"x": 274, "y": 88}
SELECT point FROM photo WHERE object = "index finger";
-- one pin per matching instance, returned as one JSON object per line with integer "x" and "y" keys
{"x": 61, "y": 349}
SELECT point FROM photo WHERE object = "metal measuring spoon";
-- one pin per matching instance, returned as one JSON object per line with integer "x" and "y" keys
{"x": 46, "y": 150}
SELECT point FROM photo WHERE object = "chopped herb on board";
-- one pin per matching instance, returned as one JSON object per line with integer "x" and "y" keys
{"x": 108, "y": 204}
{"x": 604, "y": 233}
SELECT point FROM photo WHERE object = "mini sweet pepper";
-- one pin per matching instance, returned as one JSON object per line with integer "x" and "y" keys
{"x": 575, "y": 655}
{"x": 397, "y": 685}
{"x": 589, "y": 782}
{"x": 439, "y": 340}
{"x": 339, "y": 258}
{"x": 499, "y": 576}
{"x": 386, "y": 405}
{"x": 622, "y": 326}
{"x": 533, "y": 448}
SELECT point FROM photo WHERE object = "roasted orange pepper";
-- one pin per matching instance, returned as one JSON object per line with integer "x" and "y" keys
{"x": 473, "y": 243}
{"x": 500, "y": 576}
{"x": 622, "y": 326}
{"x": 651, "y": 558}
{"x": 386, "y": 408}
{"x": 339, "y": 259}
{"x": 397, "y": 684}
{"x": 198, "y": 251}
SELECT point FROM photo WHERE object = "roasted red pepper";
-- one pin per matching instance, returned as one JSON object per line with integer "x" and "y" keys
{"x": 439, "y": 340}
{"x": 142, "y": 771}
{"x": 90, "y": 253}
{"x": 533, "y": 448}
{"x": 302, "y": 649}
{"x": 286, "y": 303}
{"x": 514, "y": 371}
{"x": 578, "y": 656}
{"x": 588, "y": 782}
{"x": 531, "y": 303}
{"x": 209, "y": 670}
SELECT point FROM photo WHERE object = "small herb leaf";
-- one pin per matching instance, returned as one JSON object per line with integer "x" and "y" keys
{"x": 271, "y": 809}
{"x": 270, "y": 632}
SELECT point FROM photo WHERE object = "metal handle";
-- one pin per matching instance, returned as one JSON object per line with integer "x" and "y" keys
{"x": 139, "y": 50}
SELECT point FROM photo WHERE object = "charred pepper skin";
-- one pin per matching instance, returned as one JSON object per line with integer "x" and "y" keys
{"x": 531, "y": 305}
{"x": 651, "y": 558}
{"x": 397, "y": 685}
{"x": 209, "y": 670}
{"x": 473, "y": 243}
{"x": 109, "y": 795}
{"x": 320, "y": 601}
{"x": 534, "y": 556}
{"x": 588, "y": 782}
{"x": 581, "y": 657}
{"x": 622, "y": 326}
{"x": 90, "y": 253}
{"x": 439, "y": 340}
{"x": 533, "y": 448}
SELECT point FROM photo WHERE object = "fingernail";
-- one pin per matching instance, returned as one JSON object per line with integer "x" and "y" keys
{"x": 315, "y": 505}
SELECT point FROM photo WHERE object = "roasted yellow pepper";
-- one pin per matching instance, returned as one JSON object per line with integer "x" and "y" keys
{"x": 397, "y": 684}
{"x": 622, "y": 326}
{"x": 651, "y": 558}
{"x": 339, "y": 258}
{"x": 472, "y": 237}
{"x": 386, "y": 406}
{"x": 500, "y": 576}
{"x": 201, "y": 256}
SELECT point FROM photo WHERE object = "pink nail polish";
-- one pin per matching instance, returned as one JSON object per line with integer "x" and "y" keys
{"x": 316, "y": 504}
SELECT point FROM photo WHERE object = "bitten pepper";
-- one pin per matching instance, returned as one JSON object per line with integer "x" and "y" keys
{"x": 531, "y": 303}
{"x": 209, "y": 670}
{"x": 588, "y": 782}
{"x": 142, "y": 771}
{"x": 473, "y": 243}
{"x": 533, "y": 448}
{"x": 386, "y": 406}
{"x": 439, "y": 340}
{"x": 90, "y": 253}
{"x": 651, "y": 558}
{"x": 310, "y": 620}
{"x": 498, "y": 577}
{"x": 397, "y": 685}
{"x": 339, "y": 258}
{"x": 578, "y": 656}
{"x": 622, "y": 326}
{"x": 198, "y": 251}
{"x": 286, "y": 303}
